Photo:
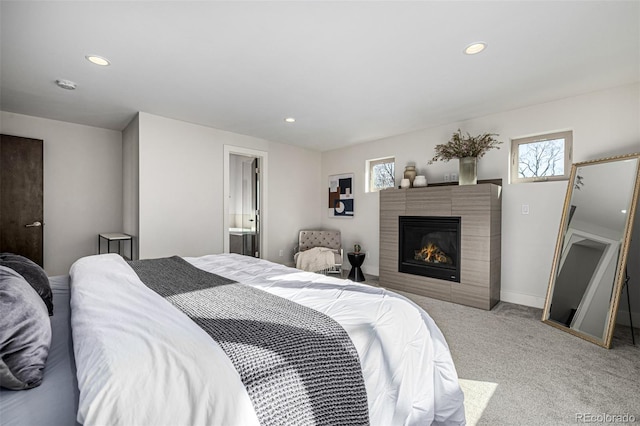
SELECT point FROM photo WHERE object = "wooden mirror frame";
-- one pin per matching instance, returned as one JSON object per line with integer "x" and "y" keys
{"x": 622, "y": 258}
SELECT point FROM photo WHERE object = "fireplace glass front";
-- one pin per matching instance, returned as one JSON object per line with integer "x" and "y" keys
{"x": 430, "y": 246}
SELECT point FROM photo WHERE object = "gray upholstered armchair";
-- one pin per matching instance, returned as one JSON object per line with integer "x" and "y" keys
{"x": 318, "y": 238}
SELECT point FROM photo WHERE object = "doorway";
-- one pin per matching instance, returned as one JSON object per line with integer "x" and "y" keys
{"x": 244, "y": 201}
{"x": 21, "y": 197}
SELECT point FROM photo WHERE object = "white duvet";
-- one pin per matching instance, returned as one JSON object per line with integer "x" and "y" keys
{"x": 140, "y": 361}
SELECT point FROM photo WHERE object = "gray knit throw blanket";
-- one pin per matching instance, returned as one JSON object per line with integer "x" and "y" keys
{"x": 298, "y": 365}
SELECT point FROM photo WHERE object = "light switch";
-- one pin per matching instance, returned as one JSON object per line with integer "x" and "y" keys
{"x": 525, "y": 209}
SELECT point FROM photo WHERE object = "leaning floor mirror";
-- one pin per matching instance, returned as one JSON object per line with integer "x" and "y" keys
{"x": 589, "y": 263}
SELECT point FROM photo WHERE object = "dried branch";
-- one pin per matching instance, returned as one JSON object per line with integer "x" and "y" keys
{"x": 460, "y": 146}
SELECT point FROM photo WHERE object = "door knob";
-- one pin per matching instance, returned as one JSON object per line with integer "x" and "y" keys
{"x": 33, "y": 224}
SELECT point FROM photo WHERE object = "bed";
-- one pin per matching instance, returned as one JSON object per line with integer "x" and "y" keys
{"x": 143, "y": 359}
{"x": 55, "y": 401}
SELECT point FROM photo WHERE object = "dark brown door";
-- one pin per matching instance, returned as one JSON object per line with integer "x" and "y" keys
{"x": 21, "y": 216}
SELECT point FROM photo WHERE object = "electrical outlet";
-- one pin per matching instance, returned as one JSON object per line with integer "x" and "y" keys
{"x": 446, "y": 177}
{"x": 454, "y": 177}
{"x": 525, "y": 209}
{"x": 281, "y": 253}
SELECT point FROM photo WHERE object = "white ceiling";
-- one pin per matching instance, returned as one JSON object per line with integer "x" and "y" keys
{"x": 349, "y": 72}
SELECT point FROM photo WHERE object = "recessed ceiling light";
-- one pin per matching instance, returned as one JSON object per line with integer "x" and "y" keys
{"x": 98, "y": 60}
{"x": 475, "y": 47}
{"x": 623, "y": 211}
{"x": 290, "y": 120}
{"x": 66, "y": 84}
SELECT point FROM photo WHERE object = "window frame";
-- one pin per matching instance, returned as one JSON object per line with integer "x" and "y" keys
{"x": 370, "y": 164}
{"x": 567, "y": 135}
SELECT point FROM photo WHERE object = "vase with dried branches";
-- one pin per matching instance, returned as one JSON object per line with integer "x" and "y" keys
{"x": 467, "y": 149}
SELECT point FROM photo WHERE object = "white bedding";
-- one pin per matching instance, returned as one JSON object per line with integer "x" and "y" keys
{"x": 141, "y": 361}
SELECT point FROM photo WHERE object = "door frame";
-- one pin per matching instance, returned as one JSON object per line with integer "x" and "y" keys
{"x": 263, "y": 156}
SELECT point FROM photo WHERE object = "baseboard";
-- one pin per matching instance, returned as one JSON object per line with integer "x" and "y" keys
{"x": 522, "y": 299}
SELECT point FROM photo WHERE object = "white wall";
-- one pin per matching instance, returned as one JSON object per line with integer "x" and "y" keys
{"x": 181, "y": 174}
{"x": 604, "y": 123}
{"x": 130, "y": 182}
{"x": 294, "y": 176}
{"x": 181, "y": 189}
{"x": 82, "y": 185}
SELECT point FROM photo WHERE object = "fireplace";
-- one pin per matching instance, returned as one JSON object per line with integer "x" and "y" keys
{"x": 430, "y": 246}
{"x": 478, "y": 264}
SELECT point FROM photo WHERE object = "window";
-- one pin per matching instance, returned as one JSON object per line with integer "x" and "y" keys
{"x": 541, "y": 158}
{"x": 381, "y": 174}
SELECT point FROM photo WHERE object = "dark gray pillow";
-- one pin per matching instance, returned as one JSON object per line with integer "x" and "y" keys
{"x": 25, "y": 332}
{"x": 33, "y": 273}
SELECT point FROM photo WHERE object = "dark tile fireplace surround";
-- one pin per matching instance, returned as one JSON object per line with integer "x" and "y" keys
{"x": 443, "y": 242}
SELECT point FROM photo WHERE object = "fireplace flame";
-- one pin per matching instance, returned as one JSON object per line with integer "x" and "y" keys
{"x": 432, "y": 254}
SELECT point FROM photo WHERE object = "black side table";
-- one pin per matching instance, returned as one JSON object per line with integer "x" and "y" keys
{"x": 116, "y": 236}
{"x": 356, "y": 260}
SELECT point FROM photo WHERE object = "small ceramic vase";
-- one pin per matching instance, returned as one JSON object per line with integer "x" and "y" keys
{"x": 420, "y": 181}
{"x": 410, "y": 173}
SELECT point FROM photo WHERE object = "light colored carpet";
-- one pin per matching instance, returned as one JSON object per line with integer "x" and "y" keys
{"x": 516, "y": 370}
{"x": 475, "y": 406}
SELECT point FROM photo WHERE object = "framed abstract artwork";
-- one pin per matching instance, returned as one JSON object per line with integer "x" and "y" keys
{"x": 341, "y": 196}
